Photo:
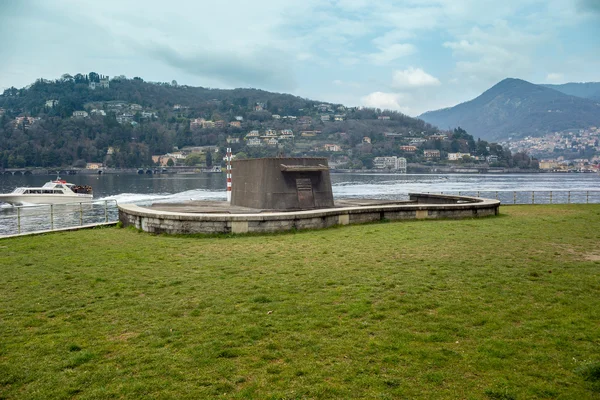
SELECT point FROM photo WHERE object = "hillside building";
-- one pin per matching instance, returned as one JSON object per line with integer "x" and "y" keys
{"x": 391, "y": 163}
{"x": 431, "y": 154}
{"x": 457, "y": 156}
{"x": 408, "y": 149}
{"x": 80, "y": 114}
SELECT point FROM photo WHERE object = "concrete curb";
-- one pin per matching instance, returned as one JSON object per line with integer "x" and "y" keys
{"x": 423, "y": 206}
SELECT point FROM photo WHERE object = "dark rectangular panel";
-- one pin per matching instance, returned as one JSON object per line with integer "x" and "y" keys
{"x": 306, "y": 199}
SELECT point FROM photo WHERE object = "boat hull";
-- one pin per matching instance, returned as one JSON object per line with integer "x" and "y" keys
{"x": 19, "y": 199}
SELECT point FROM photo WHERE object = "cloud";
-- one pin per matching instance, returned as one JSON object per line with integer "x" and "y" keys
{"x": 413, "y": 78}
{"x": 262, "y": 68}
{"x": 304, "y": 56}
{"x": 554, "y": 77}
{"x": 338, "y": 82}
{"x": 487, "y": 55}
{"x": 393, "y": 36}
{"x": 589, "y": 5}
{"x": 385, "y": 101}
{"x": 311, "y": 42}
{"x": 391, "y": 53}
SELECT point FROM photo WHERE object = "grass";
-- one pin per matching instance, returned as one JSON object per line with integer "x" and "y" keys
{"x": 496, "y": 308}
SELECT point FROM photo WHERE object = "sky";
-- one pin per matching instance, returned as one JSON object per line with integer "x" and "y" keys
{"x": 407, "y": 55}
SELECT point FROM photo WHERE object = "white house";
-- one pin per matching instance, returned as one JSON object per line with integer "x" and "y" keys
{"x": 80, "y": 114}
{"x": 392, "y": 163}
{"x": 254, "y": 142}
{"x": 332, "y": 147}
{"x": 457, "y": 156}
{"x": 97, "y": 111}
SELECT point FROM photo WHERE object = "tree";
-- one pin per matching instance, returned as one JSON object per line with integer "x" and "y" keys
{"x": 170, "y": 162}
{"x": 79, "y": 78}
{"x": 193, "y": 160}
{"x": 79, "y": 163}
{"x": 94, "y": 77}
{"x": 209, "y": 160}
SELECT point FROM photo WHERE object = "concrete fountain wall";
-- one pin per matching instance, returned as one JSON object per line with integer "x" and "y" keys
{"x": 420, "y": 206}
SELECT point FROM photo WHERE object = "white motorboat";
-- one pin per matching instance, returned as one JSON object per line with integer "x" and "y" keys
{"x": 53, "y": 192}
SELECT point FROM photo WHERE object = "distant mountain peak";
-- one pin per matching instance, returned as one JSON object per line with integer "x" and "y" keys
{"x": 515, "y": 107}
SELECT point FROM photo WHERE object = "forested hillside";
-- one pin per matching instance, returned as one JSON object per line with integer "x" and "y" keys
{"x": 516, "y": 108}
{"x": 586, "y": 90}
{"x": 123, "y": 122}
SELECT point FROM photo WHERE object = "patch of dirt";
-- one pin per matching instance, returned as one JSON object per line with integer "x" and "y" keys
{"x": 591, "y": 256}
{"x": 123, "y": 337}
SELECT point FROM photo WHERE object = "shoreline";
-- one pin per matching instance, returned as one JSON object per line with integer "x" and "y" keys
{"x": 414, "y": 170}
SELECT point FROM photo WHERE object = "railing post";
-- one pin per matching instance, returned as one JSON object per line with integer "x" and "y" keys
{"x": 532, "y": 197}
{"x": 551, "y": 197}
{"x": 459, "y": 192}
{"x": 478, "y": 194}
{"x": 52, "y": 217}
{"x": 514, "y": 197}
{"x": 19, "y": 220}
{"x": 496, "y": 195}
{"x": 587, "y": 197}
{"x": 569, "y": 198}
{"x": 80, "y": 214}
{"x": 105, "y": 210}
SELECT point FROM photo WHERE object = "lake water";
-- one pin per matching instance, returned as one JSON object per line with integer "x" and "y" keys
{"x": 144, "y": 189}
{"x": 147, "y": 189}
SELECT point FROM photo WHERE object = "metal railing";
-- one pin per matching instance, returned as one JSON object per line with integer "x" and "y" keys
{"x": 534, "y": 196}
{"x": 42, "y": 217}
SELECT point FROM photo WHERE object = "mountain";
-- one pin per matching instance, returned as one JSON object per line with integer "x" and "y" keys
{"x": 517, "y": 108}
{"x": 587, "y": 90}
{"x": 124, "y": 122}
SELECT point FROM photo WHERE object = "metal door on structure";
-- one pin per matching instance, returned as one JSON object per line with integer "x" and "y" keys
{"x": 306, "y": 198}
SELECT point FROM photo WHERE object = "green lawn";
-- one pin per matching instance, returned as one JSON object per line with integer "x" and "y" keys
{"x": 505, "y": 307}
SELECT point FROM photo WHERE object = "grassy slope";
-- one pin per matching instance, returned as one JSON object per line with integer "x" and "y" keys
{"x": 498, "y": 308}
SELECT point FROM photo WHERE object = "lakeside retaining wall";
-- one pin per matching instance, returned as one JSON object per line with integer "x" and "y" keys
{"x": 155, "y": 221}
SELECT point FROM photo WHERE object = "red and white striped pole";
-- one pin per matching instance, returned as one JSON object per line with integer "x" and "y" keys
{"x": 228, "y": 159}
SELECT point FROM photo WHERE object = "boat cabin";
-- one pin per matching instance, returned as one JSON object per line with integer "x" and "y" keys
{"x": 55, "y": 187}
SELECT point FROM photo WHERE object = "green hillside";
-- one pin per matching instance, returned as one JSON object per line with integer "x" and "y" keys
{"x": 587, "y": 90}
{"x": 139, "y": 119}
{"x": 123, "y": 122}
{"x": 516, "y": 108}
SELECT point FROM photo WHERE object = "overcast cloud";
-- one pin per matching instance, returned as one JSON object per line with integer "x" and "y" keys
{"x": 408, "y": 55}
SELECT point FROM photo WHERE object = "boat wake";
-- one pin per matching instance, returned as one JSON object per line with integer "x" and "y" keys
{"x": 147, "y": 199}
{"x": 24, "y": 204}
